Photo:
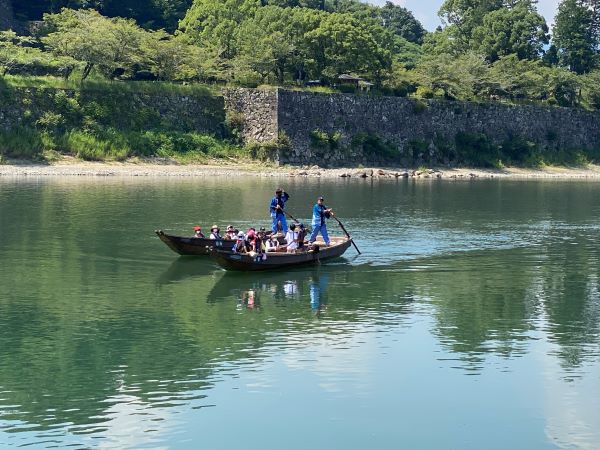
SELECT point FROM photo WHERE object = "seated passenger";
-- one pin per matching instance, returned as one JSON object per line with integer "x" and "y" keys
{"x": 198, "y": 232}
{"x": 291, "y": 238}
{"x": 240, "y": 244}
{"x": 251, "y": 240}
{"x": 214, "y": 232}
{"x": 301, "y": 237}
{"x": 272, "y": 244}
{"x": 262, "y": 239}
{"x": 230, "y": 233}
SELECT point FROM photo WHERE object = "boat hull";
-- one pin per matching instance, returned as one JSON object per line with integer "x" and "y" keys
{"x": 191, "y": 246}
{"x": 275, "y": 261}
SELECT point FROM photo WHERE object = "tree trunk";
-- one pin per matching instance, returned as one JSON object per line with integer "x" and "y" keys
{"x": 87, "y": 70}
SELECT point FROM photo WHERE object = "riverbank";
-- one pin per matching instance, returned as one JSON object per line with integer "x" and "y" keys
{"x": 158, "y": 167}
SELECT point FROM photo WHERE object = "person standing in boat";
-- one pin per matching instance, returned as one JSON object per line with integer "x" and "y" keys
{"x": 276, "y": 208}
{"x": 320, "y": 214}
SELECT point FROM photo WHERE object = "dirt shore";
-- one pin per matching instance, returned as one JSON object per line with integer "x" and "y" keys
{"x": 164, "y": 168}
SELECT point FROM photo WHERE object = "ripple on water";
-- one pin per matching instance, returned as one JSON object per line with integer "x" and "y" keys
{"x": 480, "y": 299}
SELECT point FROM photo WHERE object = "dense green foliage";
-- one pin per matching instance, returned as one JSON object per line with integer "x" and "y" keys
{"x": 148, "y": 13}
{"x": 575, "y": 36}
{"x": 487, "y": 50}
{"x": 108, "y": 122}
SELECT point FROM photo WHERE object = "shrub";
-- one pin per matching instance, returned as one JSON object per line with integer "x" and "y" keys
{"x": 50, "y": 121}
{"x": 185, "y": 147}
{"x": 521, "y": 152}
{"x": 324, "y": 140}
{"x": 263, "y": 151}
{"x": 234, "y": 124}
{"x": 21, "y": 142}
{"x": 419, "y": 150}
{"x": 476, "y": 149}
{"x": 374, "y": 147}
{"x": 269, "y": 151}
{"x": 84, "y": 145}
{"x": 425, "y": 92}
{"x": 419, "y": 107}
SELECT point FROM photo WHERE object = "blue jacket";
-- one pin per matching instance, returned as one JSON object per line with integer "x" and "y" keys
{"x": 318, "y": 218}
{"x": 278, "y": 200}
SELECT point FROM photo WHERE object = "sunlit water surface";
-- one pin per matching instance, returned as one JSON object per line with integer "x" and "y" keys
{"x": 471, "y": 320}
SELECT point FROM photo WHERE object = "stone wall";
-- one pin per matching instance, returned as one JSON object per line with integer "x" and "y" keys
{"x": 117, "y": 109}
{"x": 403, "y": 122}
{"x": 415, "y": 130}
{"x": 254, "y": 112}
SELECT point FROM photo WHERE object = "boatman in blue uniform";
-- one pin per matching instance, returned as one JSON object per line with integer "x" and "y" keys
{"x": 320, "y": 213}
{"x": 277, "y": 207}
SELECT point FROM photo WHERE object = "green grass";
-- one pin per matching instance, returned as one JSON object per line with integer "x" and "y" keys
{"x": 145, "y": 87}
{"x": 21, "y": 142}
{"x": 114, "y": 145}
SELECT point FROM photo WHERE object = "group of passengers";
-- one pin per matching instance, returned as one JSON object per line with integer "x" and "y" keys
{"x": 215, "y": 233}
{"x": 263, "y": 241}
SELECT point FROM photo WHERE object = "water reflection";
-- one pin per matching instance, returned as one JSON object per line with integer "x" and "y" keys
{"x": 318, "y": 292}
{"x": 250, "y": 299}
{"x": 498, "y": 282}
{"x": 186, "y": 267}
{"x": 306, "y": 287}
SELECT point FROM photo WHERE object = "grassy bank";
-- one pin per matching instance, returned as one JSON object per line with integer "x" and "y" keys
{"x": 114, "y": 145}
{"x": 144, "y": 87}
{"x": 45, "y": 117}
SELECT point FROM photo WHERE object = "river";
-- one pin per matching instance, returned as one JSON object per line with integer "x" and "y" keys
{"x": 470, "y": 321}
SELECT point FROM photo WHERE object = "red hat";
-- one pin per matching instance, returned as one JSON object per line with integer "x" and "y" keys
{"x": 251, "y": 233}
{"x": 197, "y": 228}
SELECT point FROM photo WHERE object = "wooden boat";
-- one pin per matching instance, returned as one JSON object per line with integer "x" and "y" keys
{"x": 192, "y": 246}
{"x": 278, "y": 260}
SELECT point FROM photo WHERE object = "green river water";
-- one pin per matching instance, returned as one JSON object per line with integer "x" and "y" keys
{"x": 471, "y": 320}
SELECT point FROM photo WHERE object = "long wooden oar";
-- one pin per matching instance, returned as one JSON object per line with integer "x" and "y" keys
{"x": 291, "y": 217}
{"x": 347, "y": 234}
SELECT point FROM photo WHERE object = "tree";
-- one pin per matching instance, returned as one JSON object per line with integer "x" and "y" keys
{"x": 442, "y": 42}
{"x": 154, "y": 14}
{"x": 110, "y": 44}
{"x": 463, "y": 16}
{"x": 341, "y": 44}
{"x": 574, "y": 37}
{"x": 455, "y": 77}
{"x": 35, "y": 9}
{"x": 215, "y": 23}
{"x": 401, "y": 22}
{"x": 170, "y": 58}
{"x": 397, "y": 19}
{"x": 517, "y": 29}
{"x": 18, "y": 55}
{"x": 591, "y": 88}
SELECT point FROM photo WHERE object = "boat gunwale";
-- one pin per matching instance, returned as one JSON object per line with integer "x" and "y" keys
{"x": 189, "y": 245}
{"x": 244, "y": 262}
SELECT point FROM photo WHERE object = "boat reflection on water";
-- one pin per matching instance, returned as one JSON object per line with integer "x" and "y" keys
{"x": 318, "y": 287}
{"x": 256, "y": 290}
{"x": 249, "y": 299}
{"x": 185, "y": 267}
